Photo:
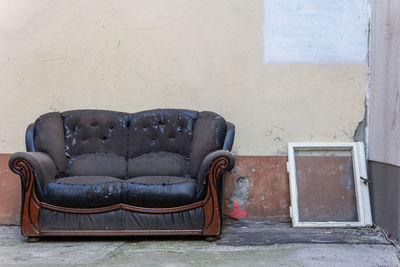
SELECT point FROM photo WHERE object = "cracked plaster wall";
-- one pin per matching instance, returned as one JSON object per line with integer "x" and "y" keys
{"x": 203, "y": 55}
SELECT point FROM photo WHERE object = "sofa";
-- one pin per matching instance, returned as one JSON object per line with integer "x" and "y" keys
{"x": 98, "y": 172}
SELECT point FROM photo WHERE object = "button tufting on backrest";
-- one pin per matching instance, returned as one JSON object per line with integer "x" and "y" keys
{"x": 160, "y": 128}
{"x": 95, "y": 133}
{"x": 98, "y": 132}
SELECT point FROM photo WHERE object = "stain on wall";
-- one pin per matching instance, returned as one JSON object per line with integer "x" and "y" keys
{"x": 239, "y": 196}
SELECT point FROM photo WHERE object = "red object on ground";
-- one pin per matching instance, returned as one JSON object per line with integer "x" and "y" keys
{"x": 236, "y": 212}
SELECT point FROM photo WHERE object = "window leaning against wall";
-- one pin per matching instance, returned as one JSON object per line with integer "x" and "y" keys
{"x": 328, "y": 185}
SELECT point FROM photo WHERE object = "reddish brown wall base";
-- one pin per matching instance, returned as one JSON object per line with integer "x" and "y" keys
{"x": 259, "y": 185}
{"x": 10, "y": 193}
{"x": 258, "y": 189}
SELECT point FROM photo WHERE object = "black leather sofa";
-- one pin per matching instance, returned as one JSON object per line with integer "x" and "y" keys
{"x": 97, "y": 172}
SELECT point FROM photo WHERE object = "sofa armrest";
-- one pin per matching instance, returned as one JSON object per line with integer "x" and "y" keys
{"x": 220, "y": 160}
{"x": 35, "y": 170}
{"x": 40, "y": 164}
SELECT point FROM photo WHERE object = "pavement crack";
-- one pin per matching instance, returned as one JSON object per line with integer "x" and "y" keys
{"x": 113, "y": 253}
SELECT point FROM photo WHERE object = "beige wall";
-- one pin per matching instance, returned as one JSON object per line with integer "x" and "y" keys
{"x": 385, "y": 83}
{"x": 136, "y": 55}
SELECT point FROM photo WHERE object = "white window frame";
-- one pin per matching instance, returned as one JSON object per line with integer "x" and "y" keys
{"x": 361, "y": 188}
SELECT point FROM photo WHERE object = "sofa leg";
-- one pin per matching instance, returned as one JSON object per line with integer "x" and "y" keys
{"x": 33, "y": 239}
{"x": 212, "y": 238}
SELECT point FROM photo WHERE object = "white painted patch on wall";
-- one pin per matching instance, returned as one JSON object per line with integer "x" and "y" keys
{"x": 315, "y": 31}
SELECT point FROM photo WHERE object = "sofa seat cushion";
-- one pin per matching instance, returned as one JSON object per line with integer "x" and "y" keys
{"x": 84, "y": 191}
{"x": 159, "y": 191}
{"x": 157, "y": 164}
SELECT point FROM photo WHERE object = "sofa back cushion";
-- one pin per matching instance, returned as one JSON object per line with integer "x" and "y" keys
{"x": 166, "y": 130}
{"x": 208, "y": 135}
{"x": 169, "y": 142}
{"x": 100, "y": 134}
{"x": 49, "y": 138}
{"x": 98, "y": 164}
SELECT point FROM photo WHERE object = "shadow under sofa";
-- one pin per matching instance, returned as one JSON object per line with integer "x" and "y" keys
{"x": 97, "y": 172}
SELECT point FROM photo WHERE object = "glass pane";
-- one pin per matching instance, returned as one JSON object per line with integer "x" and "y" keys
{"x": 325, "y": 184}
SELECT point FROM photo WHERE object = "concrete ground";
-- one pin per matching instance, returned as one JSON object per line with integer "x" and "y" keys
{"x": 356, "y": 248}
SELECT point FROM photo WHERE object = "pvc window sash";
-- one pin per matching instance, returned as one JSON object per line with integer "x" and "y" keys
{"x": 361, "y": 189}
